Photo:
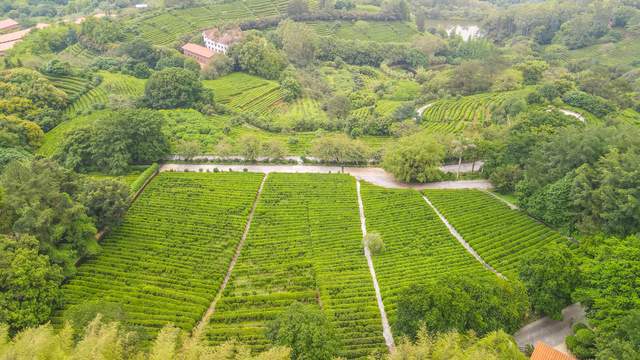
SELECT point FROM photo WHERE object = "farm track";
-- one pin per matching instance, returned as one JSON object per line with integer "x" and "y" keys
{"x": 462, "y": 241}
{"x": 386, "y": 328}
{"x": 197, "y": 331}
{"x": 376, "y": 176}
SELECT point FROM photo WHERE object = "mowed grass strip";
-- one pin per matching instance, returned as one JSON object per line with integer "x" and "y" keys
{"x": 418, "y": 246}
{"x": 503, "y": 237}
{"x": 165, "y": 263}
{"x": 304, "y": 245}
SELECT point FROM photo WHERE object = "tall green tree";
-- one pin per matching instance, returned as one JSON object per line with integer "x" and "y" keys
{"x": 459, "y": 302}
{"x": 550, "y": 276}
{"x": 172, "y": 88}
{"x": 39, "y": 199}
{"x": 306, "y": 330}
{"x": 257, "y": 56}
{"x": 415, "y": 158}
{"x": 29, "y": 284}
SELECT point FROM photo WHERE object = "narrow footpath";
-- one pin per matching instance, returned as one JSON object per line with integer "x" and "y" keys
{"x": 386, "y": 329}
{"x": 461, "y": 240}
{"x": 197, "y": 331}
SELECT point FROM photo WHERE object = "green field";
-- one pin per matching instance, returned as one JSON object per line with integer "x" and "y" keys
{"x": 418, "y": 246}
{"x": 452, "y": 115}
{"x": 501, "y": 236}
{"x": 246, "y": 93}
{"x": 166, "y": 27}
{"x": 168, "y": 258}
{"x": 624, "y": 52}
{"x": 73, "y": 86}
{"x": 378, "y": 31}
{"x": 112, "y": 84}
{"x": 304, "y": 245}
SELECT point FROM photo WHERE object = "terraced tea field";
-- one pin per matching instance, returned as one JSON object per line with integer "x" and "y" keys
{"x": 379, "y": 31}
{"x": 112, "y": 84}
{"x": 304, "y": 245}
{"x": 501, "y": 236}
{"x": 246, "y": 93}
{"x": 452, "y": 116}
{"x": 166, "y": 261}
{"x": 418, "y": 246}
{"x": 163, "y": 28}
{"x": 73, "y": 86}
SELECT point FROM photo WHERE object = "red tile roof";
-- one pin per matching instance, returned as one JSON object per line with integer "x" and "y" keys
{"x": 198, "y": 50}
{"x": 7, "y": 24}
{"x": 6, "y": 46}
{"x": 14, "y": 36}
{"x": 543, "y": 351}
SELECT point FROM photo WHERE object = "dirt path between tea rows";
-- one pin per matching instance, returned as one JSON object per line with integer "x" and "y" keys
{"x": 197, "y": 331}
{"x": 386, "y": 328}
{"x": 461, "y": 240}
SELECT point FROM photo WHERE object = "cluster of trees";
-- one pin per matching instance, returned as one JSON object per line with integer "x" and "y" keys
{"x": 576, "y": 177}
{"x": 109, "y": 339}
{"x": 565, "y": 22}
{"x": 29, "y": 105}
{"x": 114, "y": 141}
{"x": 48, "y": 222}
{"x": 462, "y": 303}
{"x": 27, "y": 11}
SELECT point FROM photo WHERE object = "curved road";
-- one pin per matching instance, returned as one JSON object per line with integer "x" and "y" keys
{"x": 377, "y": 176}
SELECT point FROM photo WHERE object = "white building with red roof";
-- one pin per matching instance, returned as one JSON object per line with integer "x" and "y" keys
{"x": 219, "y": 41}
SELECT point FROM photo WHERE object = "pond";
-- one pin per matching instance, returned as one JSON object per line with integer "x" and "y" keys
{"x": 466, "y": 30}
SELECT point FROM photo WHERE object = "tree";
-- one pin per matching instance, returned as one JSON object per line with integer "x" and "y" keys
{"x": 250, "y": 147}
{"x": 189, "y": 149}
{"x": 29, "y": 284}
{"x": 106, "y": 201}
{"x": 470, "y": 77}
{"x": 219, "y": 65}
{"x": 299, "y": 42}
{"x": 550, "y": 275}
{"x": 462, "y": 302}
{"x": 297, "y": 7}
{"x": 339, "y": 149}
{"x": 172, "y": 88}
{"x": 255, "y": 55}
{"x": 103, "y": 338}
{"x": 140, "y": 50}
{"x": 373, "y": 241}
{"x": 496, "y": 345}
{"x": 306, "y": 330}
{"x": 415, "y": 158}
{"x": 532, "y": 71}
{"x": 274, "y": 149}
{"x": 39, "y": 199}
{"x": 114, "y": 141}
{"x": 338, "y": 107}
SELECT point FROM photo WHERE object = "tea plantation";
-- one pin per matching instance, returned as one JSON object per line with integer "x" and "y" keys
{"x": 169, "y": 256}
{"x": 166, "y": 262}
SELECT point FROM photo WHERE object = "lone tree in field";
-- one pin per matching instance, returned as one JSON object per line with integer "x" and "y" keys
{"x": 374, "y": 242}
{"x": 172, "y": 88}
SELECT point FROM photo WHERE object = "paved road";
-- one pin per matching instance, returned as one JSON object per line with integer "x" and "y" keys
{"x": 377, "y": 176}
{"x": 550, "y": 331}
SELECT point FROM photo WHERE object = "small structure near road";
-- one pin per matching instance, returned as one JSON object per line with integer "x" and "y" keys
{"x": 200, "y": 53}
{"x": 543, "y": 351}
